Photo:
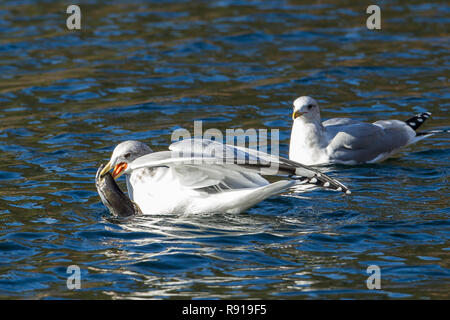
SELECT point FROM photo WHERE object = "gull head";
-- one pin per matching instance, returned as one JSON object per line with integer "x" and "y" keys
{"x": 123, "y": 154}
{"x": 306, "y": 109}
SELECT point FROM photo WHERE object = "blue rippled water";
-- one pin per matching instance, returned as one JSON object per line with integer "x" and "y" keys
{"x": 140, "y": 69}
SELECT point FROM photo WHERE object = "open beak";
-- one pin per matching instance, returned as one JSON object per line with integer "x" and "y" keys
{"x": 118, "y": 169}
{"x": 297, "y": 114}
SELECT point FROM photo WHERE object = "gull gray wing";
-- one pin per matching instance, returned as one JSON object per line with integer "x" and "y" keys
{"x": 199, "y": 170}
{"x": 334, "y": 126}
{"x": 360, "y": 142}
{"x": 249, "y": 163}
{"x": 339, "y": 122}
{"x": 217, "y": 176}
{"x": 246, "y": 160}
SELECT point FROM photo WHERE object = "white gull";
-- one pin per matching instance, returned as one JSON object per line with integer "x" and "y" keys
{"x": 348, "y": 141}
{"x": 204, "y": 176}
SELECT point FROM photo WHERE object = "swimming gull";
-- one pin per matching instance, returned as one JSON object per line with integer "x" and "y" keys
{"x": 347, "y": 141}
{"x": 205, "y": 176}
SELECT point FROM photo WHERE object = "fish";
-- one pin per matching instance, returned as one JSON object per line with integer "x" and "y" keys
{"x": 117, "y": 202}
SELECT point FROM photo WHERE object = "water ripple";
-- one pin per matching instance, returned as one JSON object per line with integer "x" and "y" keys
{"x": 141, "y": 70}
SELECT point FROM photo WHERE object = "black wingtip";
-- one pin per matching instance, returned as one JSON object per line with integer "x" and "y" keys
{"x": 325, "y": 182}
{"x": 319, "y": 179}
{"x": 416, "y": 121}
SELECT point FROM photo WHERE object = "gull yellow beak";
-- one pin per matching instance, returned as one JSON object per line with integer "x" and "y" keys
{"x": 118, "y": 169}
{"x": 107, "y": 168}
{"x": 297, "y": 114}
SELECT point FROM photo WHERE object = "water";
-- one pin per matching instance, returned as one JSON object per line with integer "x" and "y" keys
{"x": 140, "y": 69}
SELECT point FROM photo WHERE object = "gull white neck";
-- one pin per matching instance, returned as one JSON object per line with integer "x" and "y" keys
{"x": 306, "y": 142}
{"x": 129, "y": 187}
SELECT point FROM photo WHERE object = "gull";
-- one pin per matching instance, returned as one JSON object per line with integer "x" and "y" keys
{"x": 206, "y": 176}
{"x": 347, "y": 141}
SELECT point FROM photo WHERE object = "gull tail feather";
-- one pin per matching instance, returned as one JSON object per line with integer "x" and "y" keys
{"x": 431, "y": 132}
{"x": 425, "y": 134}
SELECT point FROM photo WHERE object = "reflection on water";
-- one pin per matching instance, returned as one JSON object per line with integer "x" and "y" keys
{"x": 141, "y": 70}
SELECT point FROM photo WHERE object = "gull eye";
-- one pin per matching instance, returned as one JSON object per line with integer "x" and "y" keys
{"x": 127, "y": 155}
{"x": 310, "y": 106}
